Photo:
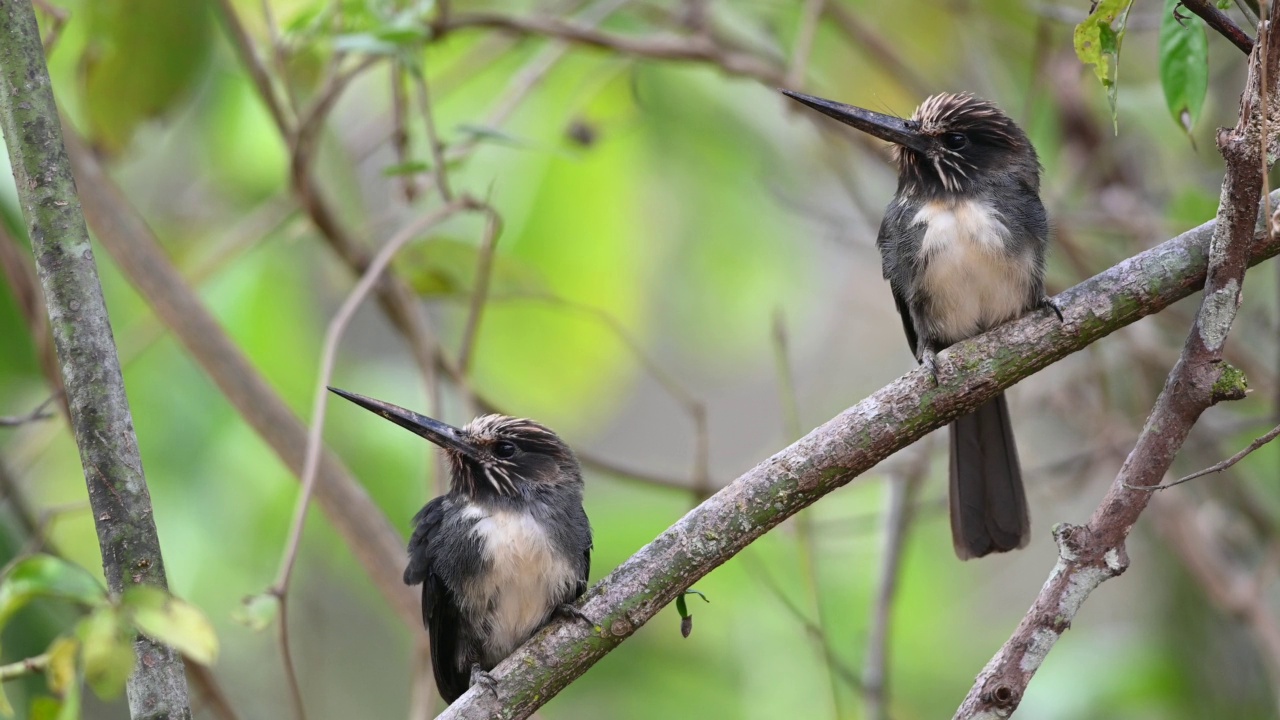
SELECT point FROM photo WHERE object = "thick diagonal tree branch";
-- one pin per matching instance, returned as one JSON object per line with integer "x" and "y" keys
{"x": 834, "y": 454}
{"x": 94, "y": 385}
{"x": 1094, "y": 553}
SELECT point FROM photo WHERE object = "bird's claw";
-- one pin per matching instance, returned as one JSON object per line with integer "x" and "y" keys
{"x": 568, "y": 611}
{"x": 484, "y": 679}
{"x": 1047, "y": 302}
{"x": 929, "y": 359}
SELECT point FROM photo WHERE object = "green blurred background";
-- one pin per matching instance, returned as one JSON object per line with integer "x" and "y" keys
{"x": 663, "y": 222}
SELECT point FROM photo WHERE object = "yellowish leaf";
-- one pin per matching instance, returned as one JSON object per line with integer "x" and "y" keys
{"x": 176, "y": 623}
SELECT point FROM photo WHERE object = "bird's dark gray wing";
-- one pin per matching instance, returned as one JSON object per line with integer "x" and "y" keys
{"x": 579, "y": 546}
{"x": 445, "y": 628}
{"x": 584, "y": 573}
{"x": 440, "y": 611}
{"x": 425, "y": 524}
{"x": 899, "y": 242}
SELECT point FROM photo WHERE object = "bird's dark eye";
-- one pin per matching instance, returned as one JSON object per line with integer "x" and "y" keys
{"x": 504, "y": 449}
{"x": 954, "y": 140}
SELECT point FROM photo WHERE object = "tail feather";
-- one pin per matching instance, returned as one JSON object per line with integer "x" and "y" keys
{"x": 988, "y": 504}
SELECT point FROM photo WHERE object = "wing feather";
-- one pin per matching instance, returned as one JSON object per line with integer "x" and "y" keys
{"x": 899, "y": 242}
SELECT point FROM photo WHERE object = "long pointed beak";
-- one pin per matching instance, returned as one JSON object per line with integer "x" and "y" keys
{"x": 442, "y": 434}
{"x": 886, "y": 127}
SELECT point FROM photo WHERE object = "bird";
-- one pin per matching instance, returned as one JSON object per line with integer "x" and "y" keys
{"x": 963, "y": 245}
{"x": 503, "y": 551}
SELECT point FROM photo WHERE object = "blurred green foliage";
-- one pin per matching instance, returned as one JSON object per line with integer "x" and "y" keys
{"x": 653, "y": 214}
{"x": 99, "y": 648}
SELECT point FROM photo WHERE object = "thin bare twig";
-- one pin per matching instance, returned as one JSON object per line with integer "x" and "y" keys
{"x": 810, "y": 15}
{"x": 1271, "y": 435}
{"x": 902, "y": 500}
{"x": 253, "y": 64}
{"x": 400, "y": 131}
{"x": 700, "y": 482}
{"x": 480, "y": 288}
{"x": 40, "y": 413}
{"x": 877, "y": 49}
{"x": 278, "y": 54}
{"x": 697, "y": 48}
{"x": 786, "y": 379}
{"x": 20, "y": 275}
{"x": 296, "y": 701}
{"x": 814, "y": 630}
{"x": 434, "y": 145}
{"x": 1247, "y": 11}
{"x": 29, "y": 666}
{"x": 60, "y": 17}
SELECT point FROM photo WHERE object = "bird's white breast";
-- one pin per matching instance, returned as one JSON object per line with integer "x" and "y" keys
{"x": 973, "y": 282}
{"x": 524, "y": 579}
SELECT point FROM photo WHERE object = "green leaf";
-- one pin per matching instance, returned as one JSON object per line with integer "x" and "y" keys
{"x": 484, "y": 133}
{"x": 44, "y": 707}
{"x": 46, "y": 576}
{"x": 365, "y": 43}
{"x": 686, "y": 617}
{"x": 6, "y": 709}
{"x": 682, "y": 607}
{"x": 257, "y": 611}
{"x": 70, "y": 708}
{"x": 446, "y": 267}
{"x": 176, "y": 623}
{"x": 107, "y": 652}
{"x": 412, "y": 167}
{"x": 61, "y": 671}
{"x": 405, "y": 33}
{"x": 141, "y": 59}
{"x": 1184, "y": 65}
{"x": 1097, "y": 44}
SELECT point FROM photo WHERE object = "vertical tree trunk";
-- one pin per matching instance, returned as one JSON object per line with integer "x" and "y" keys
{"x": 87, "y": 356}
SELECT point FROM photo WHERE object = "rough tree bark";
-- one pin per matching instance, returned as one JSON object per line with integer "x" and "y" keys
{"x": 835, "y": 453}
{"x": 99, "y": 410}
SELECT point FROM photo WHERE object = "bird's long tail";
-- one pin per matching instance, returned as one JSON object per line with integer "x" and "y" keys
{"x": 988, "y": 505}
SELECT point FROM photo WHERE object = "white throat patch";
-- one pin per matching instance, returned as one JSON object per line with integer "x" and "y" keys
{"x": 972, "y": 281}
{"x": 525, "y": 578}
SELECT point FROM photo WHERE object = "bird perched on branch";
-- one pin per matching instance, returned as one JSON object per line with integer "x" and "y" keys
{"x": 963, "y": 244}
{"x": 507, "y": 547}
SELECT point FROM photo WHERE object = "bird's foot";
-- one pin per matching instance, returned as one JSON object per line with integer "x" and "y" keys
{"x": 482, "y": 678}
{"x": 929, "y": 359}
{"x": 1048, "y": 302}
{"x": 567, "y": 611}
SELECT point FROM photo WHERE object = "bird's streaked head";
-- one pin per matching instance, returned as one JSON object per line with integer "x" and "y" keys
{"x": 493, "y": 455}
{"x": 954, "y": 143}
